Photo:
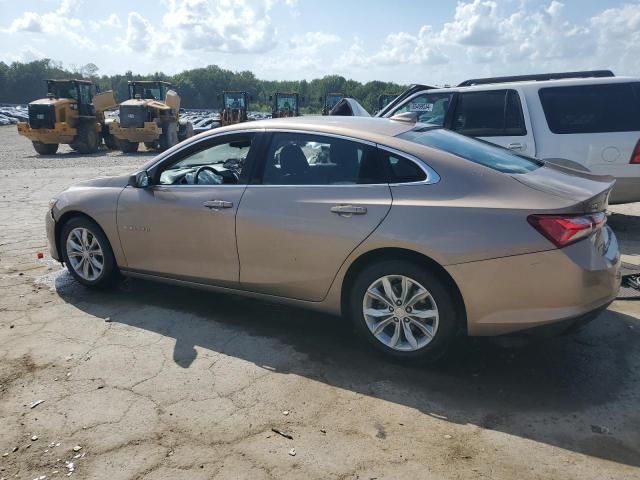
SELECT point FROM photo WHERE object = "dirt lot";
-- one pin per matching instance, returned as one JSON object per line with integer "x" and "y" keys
{"x": 158, "y": 382}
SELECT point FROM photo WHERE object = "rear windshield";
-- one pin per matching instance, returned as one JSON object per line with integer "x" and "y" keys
{"x": 477, "y": 151}
{"x": 613, "y": 107}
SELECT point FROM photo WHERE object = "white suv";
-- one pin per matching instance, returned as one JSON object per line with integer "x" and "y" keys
{"x": 584, "y": 120}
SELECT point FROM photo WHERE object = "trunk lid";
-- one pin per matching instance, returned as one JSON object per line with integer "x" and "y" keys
{"x": 588, "y": 190}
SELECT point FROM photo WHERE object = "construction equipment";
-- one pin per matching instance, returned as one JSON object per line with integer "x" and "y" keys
{"x": 71, "y": 113}
{"x": 285, "y": 105}
{"x": 151, "y": 115}
{"x": 385, "y": 99}
{"x": 234, "y": 108}
{"x": 329, "y": 101}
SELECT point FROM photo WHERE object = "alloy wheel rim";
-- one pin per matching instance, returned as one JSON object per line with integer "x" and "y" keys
{"x": 85, "y": 254}
{"x": 400, "y": 313}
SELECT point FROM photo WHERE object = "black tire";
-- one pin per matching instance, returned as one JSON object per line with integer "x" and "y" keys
{"x": 87, "y": 140}
{"x": 448, "y": 314}
{"x": 151, "y": 145}
{"x": 126, "y": 146}
{"x": 110, "y": 141}
{"x": 169, "y": 136}
{"x": 109, "y": 271}
{"x": 45, "y": 148}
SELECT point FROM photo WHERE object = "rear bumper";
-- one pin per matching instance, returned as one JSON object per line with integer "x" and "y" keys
{"x": 540, "y": 289}
{"x": 149, "y": 133}
{"x": 625, "y": 190}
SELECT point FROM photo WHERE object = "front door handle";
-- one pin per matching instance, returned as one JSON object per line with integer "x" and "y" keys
{"x": 349, "y": 210}
{"x": 215, "y": 204}
{"x": 517, "y": 146}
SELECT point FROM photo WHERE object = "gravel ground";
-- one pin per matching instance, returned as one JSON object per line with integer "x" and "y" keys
{"x": 158, "y": 382}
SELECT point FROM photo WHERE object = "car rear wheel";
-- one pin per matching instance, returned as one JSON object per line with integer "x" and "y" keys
{"x": 403, "y": 310}
{"x": 87, "y": 253}
{"x": 45, "y": 148}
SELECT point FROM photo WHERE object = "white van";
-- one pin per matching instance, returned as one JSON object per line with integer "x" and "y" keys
{"x": 584, "y": 120}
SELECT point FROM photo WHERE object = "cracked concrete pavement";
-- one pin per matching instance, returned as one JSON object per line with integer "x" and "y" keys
{"x": 158, "y": 382}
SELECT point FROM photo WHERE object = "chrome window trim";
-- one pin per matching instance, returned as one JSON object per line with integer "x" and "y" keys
{"x": 201, "y": 140}
{"x": 431, "y": 174}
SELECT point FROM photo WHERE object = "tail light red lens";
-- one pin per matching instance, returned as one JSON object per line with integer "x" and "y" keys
{"x": 635, "y": 156}
{"x": 563, "y": 230}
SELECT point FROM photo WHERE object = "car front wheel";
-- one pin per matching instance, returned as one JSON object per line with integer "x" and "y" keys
{"x": 403, "y": 310}
{"x": 87, "y": 253}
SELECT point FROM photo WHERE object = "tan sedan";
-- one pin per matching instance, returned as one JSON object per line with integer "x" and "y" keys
{"x": 414, "y": 233}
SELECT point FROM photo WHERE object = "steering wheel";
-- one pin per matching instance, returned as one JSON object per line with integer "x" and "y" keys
{"x": 200, "y": 169}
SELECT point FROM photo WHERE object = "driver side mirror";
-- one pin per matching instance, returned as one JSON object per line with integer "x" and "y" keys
{"x": 140, "y": 180}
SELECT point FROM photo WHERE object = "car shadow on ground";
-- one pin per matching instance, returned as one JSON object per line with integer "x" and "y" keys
{"x": 532, "y": 390}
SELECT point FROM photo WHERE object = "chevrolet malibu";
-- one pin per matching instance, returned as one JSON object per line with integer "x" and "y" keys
{"x": 415, "y": 234}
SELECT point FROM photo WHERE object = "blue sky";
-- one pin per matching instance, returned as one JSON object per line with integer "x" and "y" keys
{"x": 405, "y": 41}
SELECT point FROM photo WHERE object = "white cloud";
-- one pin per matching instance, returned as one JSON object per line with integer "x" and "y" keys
{"x": 61, "y": 21}
{"x": 510, "y": 38}
{"x": 140, "y": 33}
{"x": 230, "y": 26}
{"x": 112, "y": 21}
{"x": 311, "y": 42}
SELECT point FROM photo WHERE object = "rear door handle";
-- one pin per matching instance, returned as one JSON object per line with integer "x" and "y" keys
{"x": 215, "y": 204}
{"x": 349, "y": 210}
{"x": 517, "y": 146}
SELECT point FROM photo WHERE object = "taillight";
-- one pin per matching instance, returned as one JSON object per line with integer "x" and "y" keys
{"x": 635, "y": 156}
{"x": 563, "y": 230}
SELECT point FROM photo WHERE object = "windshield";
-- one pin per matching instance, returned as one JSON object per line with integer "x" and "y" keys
{"x": 149, "y": 91}
{"x": 477, "y": 151}
{"x": 286, "y": 102}
{"x": 63, "y": 90}
{"x": 234, "y": 100}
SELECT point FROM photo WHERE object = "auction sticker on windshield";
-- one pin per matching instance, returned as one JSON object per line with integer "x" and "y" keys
{"x": 421, "y": 107}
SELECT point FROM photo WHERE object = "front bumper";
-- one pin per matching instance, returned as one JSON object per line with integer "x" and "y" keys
{"x": 539, "y": 289}
{"x": 61, "y": 133}
{"x": 50, "y": 225}
{"x": 149, "y": 133}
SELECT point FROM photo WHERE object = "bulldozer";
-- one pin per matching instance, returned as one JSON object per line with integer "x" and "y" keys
{"x": 234, "y": 108}
{"x": 72, "y": 113}
{"x": 329, "y": 101}
{"x": 151, "y": 116}
{"x": 285, "y": 105}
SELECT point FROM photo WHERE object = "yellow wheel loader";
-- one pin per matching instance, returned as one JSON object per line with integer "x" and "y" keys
{"x": 329, "y": 101}
{"x": 71, "y": 113}
{"x": 151, "y": 116}
{"x": 285, "y": 105}
{"x": 235, "y": 106}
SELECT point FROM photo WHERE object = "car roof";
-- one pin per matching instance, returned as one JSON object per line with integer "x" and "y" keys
{"x": 563, "y": 82}
{"x": 366, "y": 128}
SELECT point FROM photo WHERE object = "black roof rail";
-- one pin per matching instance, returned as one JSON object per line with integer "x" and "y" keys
{"x": 538, "y": 77}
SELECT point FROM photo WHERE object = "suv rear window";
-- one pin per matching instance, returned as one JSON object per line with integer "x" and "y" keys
{"x": 477, "y": 151}
{"x": 613, "y": 107}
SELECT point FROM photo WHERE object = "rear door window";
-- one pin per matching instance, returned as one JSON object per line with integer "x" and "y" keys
{"x": 613, "y": 107}
{"x": 400, "y": 169}
{"x": 493, "y": 113}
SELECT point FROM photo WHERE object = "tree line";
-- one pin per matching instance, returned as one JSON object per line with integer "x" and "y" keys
{"x": 198, "y": 88}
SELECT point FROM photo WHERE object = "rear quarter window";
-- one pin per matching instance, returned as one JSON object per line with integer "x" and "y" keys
{"x": 474, "y": 150}
{"x": 613, "y": 107}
